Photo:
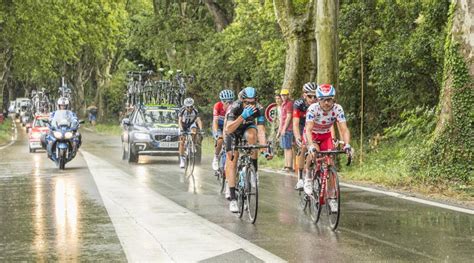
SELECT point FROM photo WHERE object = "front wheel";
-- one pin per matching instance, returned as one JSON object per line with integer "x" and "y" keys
{"x": 315, "y": 205}
{"x": 190, "y": 159}
{"x": 333, "y": 198}
{"x": 131, "y": 156}
{"x": 251, "y": 193}
{"x": 62, "y": 159}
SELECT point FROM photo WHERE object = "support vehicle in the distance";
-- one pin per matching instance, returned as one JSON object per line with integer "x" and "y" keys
{"x": 150, "y": 130}
{"x": 37, "y": 129}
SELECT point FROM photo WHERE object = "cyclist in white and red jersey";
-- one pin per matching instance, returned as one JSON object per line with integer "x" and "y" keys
{"x": 320, "y": 117}
{"x": 300, "y": 107}
{"x": 226, "y": 98}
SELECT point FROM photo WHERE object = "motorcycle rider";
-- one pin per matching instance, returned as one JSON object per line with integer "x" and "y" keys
{"x": 63, "y": 105}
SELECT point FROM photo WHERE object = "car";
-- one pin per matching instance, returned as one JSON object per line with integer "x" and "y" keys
{"x": 38, "y": 130}
{"x": 150, "y": 130}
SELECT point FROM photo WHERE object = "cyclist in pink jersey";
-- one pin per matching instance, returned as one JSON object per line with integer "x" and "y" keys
{"x": 320, "y": 117}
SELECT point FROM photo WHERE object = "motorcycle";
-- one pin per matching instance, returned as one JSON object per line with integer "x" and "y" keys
{"x": 64, "y": 140}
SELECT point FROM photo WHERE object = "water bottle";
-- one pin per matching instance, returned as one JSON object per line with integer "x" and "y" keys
{"x": 241, "y": 178}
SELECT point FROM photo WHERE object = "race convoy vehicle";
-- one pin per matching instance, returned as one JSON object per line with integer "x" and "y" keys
{"x": 37, "y": 131}
{"x": 150, "y": 130}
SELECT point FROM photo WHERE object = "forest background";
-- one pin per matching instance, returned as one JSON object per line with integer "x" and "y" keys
{"x": 408, "y": 58}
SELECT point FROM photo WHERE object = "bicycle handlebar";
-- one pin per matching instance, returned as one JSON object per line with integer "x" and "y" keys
{"x": 334, "y": 152}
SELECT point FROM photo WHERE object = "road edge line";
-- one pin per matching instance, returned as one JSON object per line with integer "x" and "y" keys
{"x": 390, "y": 193}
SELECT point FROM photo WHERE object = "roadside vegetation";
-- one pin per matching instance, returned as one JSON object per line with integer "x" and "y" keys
{"x": 5, "y": 131}
{"x": 413, "y": 122}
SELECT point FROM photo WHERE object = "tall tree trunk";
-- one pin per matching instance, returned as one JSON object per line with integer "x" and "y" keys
{"x": 326, "y": 38}
{"x": 7, "y": 96}
{"x": 221, "y": 20}
{"x": 298, "y": 33}
{"x": 452, "y": 149}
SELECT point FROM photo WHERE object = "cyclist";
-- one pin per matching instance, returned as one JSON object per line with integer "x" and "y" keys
{"x": 188, "y": 121}
{"x": 300, "y": 107}
{"x": 226, "y": 98}
{"x": 320, "y": 117}
{"x": 245, "y": 118}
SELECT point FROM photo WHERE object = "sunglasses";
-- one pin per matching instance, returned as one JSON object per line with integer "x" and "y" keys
{"x": 250, "y": 102}
{"x": 311, "y": 96}
{"x": 327, "y": 100}
{"x": 227, "y": 102}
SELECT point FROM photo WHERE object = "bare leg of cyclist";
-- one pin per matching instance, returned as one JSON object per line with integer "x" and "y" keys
{"x": 230, "y": 169}
{"x": 300, "y": 162}
{"x": 181, "y": 151}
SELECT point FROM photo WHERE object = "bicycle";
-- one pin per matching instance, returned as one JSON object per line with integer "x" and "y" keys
{"x": 190, "y": 153}
{"x": 247, "y": 184}
{"x": 326, "y": 190}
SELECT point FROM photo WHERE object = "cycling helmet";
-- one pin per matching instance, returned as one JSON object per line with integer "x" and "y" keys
{"x": 325, "y": 90}
{"x": 248, "y": 93}
{"x": 188, "y": 102}
{"x": 310, "y": 87}
{"x": 63, "y": 102}
{"x": 226, "y": 95}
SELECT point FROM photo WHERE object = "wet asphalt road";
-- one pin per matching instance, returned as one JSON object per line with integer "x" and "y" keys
{"x": 47, "y": 214}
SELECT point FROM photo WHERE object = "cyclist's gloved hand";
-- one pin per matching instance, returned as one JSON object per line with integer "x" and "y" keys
{"x": 348, "y": 149}
{"x": 312, "y": 149}
{"x": 299, "y": 142}
{"x": 267, "y": 155}
{"x": 248, "y": 111}
{"x": 215, "y": 135}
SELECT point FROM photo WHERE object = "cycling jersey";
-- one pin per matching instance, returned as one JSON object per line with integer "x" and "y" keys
{"x": 299, "y": 111}
{"x": 219, "y": 112}
{"x": 188, "y": 117}
{"x": 324, "y": 120}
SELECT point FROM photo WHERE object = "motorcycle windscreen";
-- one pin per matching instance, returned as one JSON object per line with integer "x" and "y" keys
{"x": 62, "y": 118}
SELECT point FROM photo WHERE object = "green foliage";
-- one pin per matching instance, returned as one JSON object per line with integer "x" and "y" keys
{"x": 450, "y": 152}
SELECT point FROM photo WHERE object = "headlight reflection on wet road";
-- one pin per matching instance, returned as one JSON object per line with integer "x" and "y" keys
{"x": 66, "y": 215}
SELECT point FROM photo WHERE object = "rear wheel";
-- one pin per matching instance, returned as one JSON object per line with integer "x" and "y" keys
{"x": 333, "y": 201}
{"x": 251, "y": 193}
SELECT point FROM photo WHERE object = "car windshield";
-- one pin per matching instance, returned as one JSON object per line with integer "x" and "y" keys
{"x": 39, "y": 123}
{"x": 161, "y": 116}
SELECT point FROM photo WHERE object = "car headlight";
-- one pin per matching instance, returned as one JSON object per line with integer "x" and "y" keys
{"x": 68, "y": 135}
{"x": 58, "y": 135}
{"x": 141, "y": 136}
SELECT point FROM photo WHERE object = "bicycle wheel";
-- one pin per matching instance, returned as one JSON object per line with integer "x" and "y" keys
{"x": 315, "y": 205}
{"x": 251, "y": 193}
{"x": 189, "y": 165}
{"x": 240, "y": 199}
{"x": 333, "y": 198}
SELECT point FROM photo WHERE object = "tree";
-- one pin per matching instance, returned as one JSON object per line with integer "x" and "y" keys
{"x": 297, "y": 25}
{"x": 326, "y": 39}
{"x": 451, "y": 149}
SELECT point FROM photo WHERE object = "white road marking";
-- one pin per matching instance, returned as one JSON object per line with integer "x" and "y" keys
{"x": 392, "y": 194}
{"x": 153, "y": 228}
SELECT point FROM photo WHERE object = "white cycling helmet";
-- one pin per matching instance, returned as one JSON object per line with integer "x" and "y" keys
{"x": 310, "y": 88}
{"x": 188, "y": 102}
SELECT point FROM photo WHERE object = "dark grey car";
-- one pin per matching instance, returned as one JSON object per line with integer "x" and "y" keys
{"x": 150, "y": 131}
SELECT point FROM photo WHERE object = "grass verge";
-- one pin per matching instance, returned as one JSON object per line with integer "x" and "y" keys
{"x": 105, "y": 128}
{"x": 5, "y": 131}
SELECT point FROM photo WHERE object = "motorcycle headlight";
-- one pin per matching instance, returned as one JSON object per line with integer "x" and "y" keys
{"x": 141, "y": 136}
{"x": 58, "y": 135}
{"x": 68, "y": 135}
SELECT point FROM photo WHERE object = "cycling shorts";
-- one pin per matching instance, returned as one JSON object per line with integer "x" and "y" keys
{"x": 324, "y": 140}
{"x": 235, "y": 137}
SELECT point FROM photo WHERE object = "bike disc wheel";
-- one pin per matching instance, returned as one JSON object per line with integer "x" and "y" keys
{"x": 333, "y": 196}
{"x": 251, "y": 193}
